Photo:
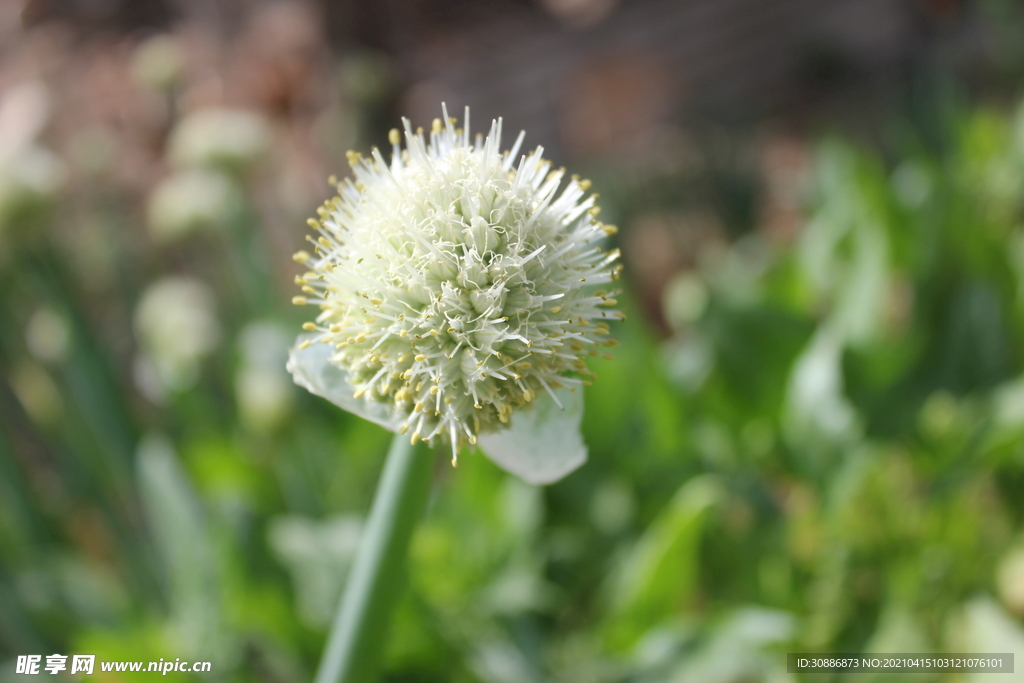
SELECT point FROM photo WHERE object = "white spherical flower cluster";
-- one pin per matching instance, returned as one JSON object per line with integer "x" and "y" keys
{"x": 455, "y": 285}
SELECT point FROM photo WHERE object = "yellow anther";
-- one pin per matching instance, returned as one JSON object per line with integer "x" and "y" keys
{"x": 299, "y": 300}
{"x": 434, "y": 390}
{"x": 301, "y": 256}
{"x": 305, "y": 344}
{"x": 435, "y": 126}
{"x": 420, "y": 357}
{"x": 309, "y": 327}
{"x": 332, "y": 179}
{"x": 376, "y": 302}
{"x": 394, "y": 137}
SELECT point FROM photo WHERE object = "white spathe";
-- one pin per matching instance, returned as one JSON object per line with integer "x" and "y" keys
{"x": 541, "y": 445}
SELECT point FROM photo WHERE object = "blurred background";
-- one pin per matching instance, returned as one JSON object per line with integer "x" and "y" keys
{"x": 812, "y": 438}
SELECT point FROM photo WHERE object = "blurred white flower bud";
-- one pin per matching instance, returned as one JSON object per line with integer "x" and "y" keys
{"x": 911, "y": 185}
{"x": 37, "y": 392}
{"x": 29, "y": 177}
{"x": 263, "y": 388}
{"x": 613, "y": 506}
{"x": 93, "y": 150}
{"x": 47, "y": 335}
{"x": 264, "y": 397}
{"x": 191, "y": 200}
{"x": 176, "y": 326}
{"x": 685, "y": 300}
{"x": 24, "y": 111}
{"x": 158, "y": 62}
{"x": 1010, "y": 580}
{"x": 29, "y": 174}
{"x": 939, "y": 416}
{"x": 227, "y": 137}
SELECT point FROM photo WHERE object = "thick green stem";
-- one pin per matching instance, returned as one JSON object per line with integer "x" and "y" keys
{"x": 357, "y": 636}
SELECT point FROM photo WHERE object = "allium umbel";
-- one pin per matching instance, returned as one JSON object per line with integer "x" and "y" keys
{"x": 456, "y": 288}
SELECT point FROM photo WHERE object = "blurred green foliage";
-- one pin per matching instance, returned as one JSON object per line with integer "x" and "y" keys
{"x": 827, "y": 454}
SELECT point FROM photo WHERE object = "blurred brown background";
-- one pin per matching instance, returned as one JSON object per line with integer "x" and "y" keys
{"x": 718, "y": 93}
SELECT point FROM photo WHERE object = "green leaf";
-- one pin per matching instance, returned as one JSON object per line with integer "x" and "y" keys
{"x": 660, "y": 574}
{"x": 179, "y": 527}
{"x": 318, "y": 555}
